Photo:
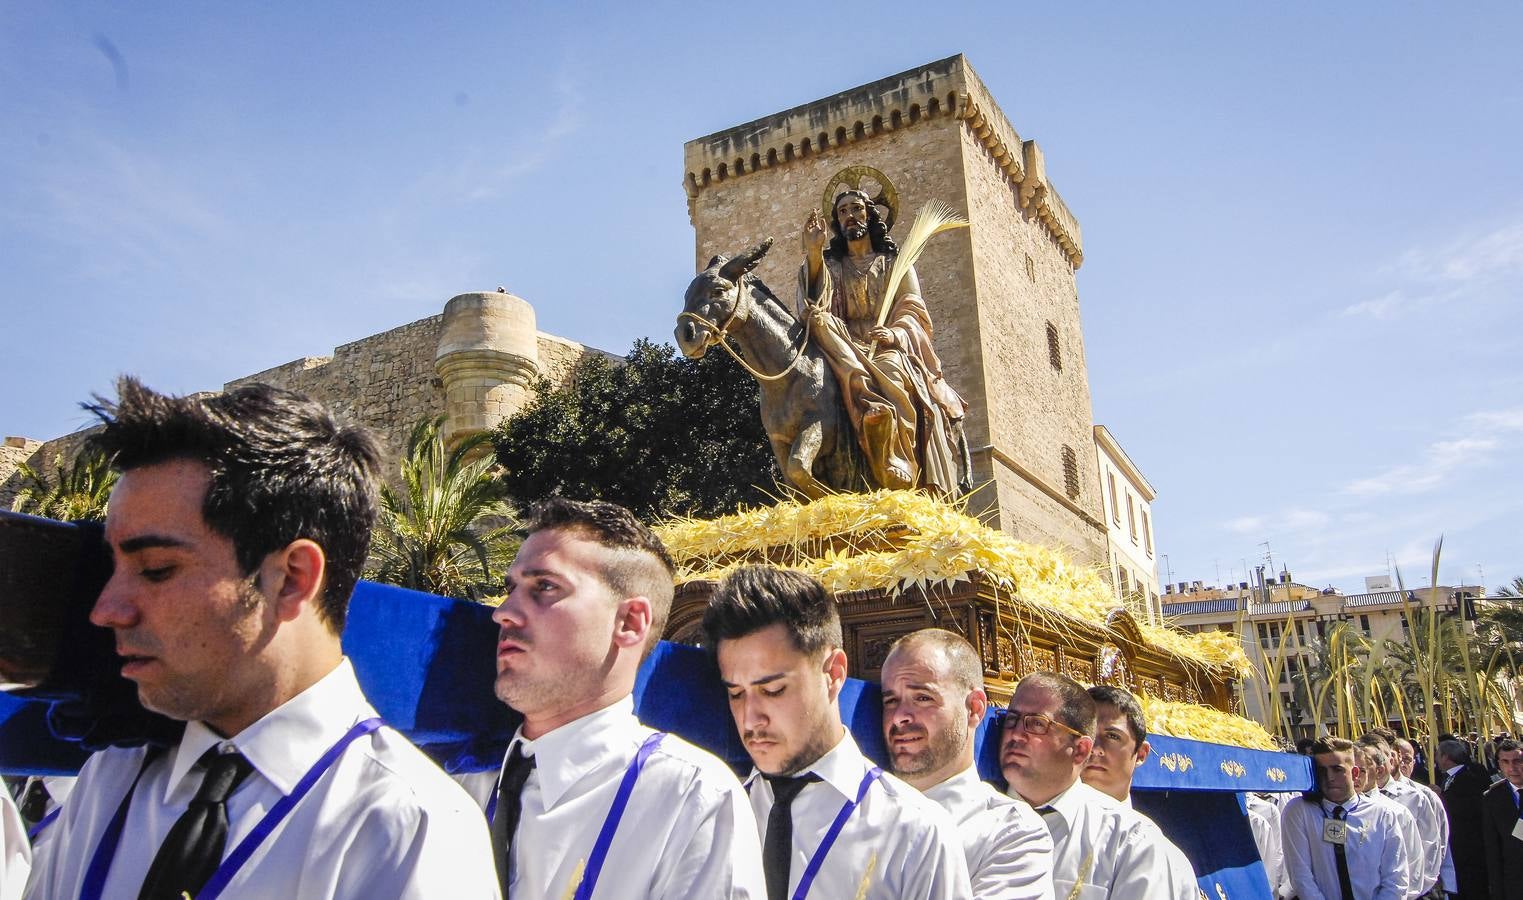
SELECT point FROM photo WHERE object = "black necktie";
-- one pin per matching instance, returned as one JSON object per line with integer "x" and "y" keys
{"x": 195, "y": 844}
{"x": 34, "y": 801}
{"x": 777, "y": 849}
{"x": 510, "y": 800}
{"x": 1344, "y": 883}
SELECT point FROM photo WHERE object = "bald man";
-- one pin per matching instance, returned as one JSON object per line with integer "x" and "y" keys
{"x": 933, "y": 702}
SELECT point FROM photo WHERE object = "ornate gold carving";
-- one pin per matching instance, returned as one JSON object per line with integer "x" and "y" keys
{"x": 1173, "y": 692}
{"x": 1079, "y": 669}
{"x": 1176, "y": 762}
{"x": 1008, "y": 658}
{"x": 875, "y": 650}
{"x": 1042, "y": 660}
{"x": 1112, "y": 668}
{"x": 852, "y": 177}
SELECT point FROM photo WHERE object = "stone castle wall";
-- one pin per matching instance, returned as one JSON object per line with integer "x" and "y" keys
{"x": 386, "y": 382}
{"x": 992, "y": 290}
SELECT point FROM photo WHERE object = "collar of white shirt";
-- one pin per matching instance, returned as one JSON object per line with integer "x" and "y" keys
{"x": 842, "y": 767}
{"x": 963, "y": 789}
{"x": 1349, "y": 806}
{"x": 1076, "y": 797}
{"x": 283, "y": 744}
{"x": 566, "y": 755}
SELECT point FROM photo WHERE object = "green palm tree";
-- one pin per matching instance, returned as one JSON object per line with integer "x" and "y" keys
{"x": 75, "y": 492}
{"x": 448, "y": 530}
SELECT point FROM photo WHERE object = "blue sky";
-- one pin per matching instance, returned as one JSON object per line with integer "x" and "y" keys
{"x": 1303, "y": 222}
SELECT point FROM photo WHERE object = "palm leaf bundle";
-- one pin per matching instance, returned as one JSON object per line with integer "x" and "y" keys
{"x": 933, "y": 218}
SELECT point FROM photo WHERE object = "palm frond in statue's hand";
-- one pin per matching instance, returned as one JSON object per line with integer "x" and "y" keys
{"x": 933, "y": 218}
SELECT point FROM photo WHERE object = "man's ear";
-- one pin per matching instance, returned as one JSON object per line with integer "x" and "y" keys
{"x": 1082, "y": 746}
{"x": 1143, "y": 752}
{"x": 835, "y": 671}
{"x": 632, "y": 623}
{"x": 977, "y": 703}
{"x": 293, "y": 577}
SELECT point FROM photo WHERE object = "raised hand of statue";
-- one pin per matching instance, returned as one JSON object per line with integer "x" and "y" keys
{"x": 815, "y": 233}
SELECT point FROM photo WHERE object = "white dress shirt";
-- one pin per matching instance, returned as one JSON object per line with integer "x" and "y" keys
{"x": 1102, "y": 849}
{"x": 687, "y": 831}
{"x": 1432, "y": 825}
{"x": 15, "y": 849}
{"x": 1182, "y": 882}
{"x": 1411, "y": 843}
{"x": 384, "y": 821}
{"x": 897, "y": 845}
{"x": 1376, "y": 857}
{"x": 1008, "y": 847}
{"x": 1264, "y": 821}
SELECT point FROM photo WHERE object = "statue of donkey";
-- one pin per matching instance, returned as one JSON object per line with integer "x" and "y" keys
{"x": 800, "y": 399}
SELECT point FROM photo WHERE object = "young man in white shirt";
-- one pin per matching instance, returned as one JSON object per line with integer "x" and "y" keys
{"x": 1420, "y": 800}
{"x": 587, "y": 598}
{"x": 1100, "y": 848}
{"x": 1338, "y": 844}
{"x": 1369, "y": 754}
{"x": 933, "y": 702}
{"x": 1121, "y": 746}
{"x": 834, "y": 825}
{"x": 238, "y": 530}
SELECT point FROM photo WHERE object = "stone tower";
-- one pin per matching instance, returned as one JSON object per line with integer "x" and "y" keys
{"x": 487, "y": 359}
{"x": 1002, "y": 293}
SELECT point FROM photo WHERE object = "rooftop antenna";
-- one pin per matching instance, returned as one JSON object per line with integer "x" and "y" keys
{"x": 1268, "y": 556}
{"x": 1169, "y": 578}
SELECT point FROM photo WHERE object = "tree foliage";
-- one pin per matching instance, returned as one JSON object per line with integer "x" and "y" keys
{"x": 660, "y": 434}
{"x": 76, "y": 491}
{"x": 448, "y": 531}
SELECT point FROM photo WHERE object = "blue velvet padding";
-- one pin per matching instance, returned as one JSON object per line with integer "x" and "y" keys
{"x": 27, "y": 745}
{"x": 1183, "y": 765}
{"x": 1211, "y": 827}
{"x": 428, "y": 664}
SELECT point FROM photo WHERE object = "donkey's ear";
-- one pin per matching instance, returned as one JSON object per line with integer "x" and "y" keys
{"x": 714, "y": 263}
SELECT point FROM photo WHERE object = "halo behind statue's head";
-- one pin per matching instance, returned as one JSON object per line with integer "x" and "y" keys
{"x": 871, "y": 182}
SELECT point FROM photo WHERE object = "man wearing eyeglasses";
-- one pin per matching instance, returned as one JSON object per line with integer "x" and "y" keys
{"x": 1100, "y": 848}
{"x": 1121, "y": 746}
{"x": 933, "y": 701}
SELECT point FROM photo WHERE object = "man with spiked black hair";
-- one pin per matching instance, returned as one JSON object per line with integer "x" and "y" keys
{"x": 238, "y": 530}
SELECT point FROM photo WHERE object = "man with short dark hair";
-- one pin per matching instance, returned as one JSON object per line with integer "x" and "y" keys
{"x": 1462, "y": 784}
{"x": 238, "y": 530}
{"x": 933, "y": 702}
{"x": 776, "y": 637}
{"x": 1100, "y": 848}
{"x": 588, "y": 797}
{"x": 1502, "y": 818}
{"x": 1121, "y": 745}
{"x": 1338, "y": 845}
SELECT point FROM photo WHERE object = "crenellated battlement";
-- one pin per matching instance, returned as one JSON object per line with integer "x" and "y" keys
{"x": 947, "y": 88}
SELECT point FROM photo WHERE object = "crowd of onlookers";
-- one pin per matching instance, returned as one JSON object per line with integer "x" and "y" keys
{"x": 1378, "y": 825}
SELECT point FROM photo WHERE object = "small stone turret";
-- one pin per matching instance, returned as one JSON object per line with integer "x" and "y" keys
{"x": 488, "y": 358}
